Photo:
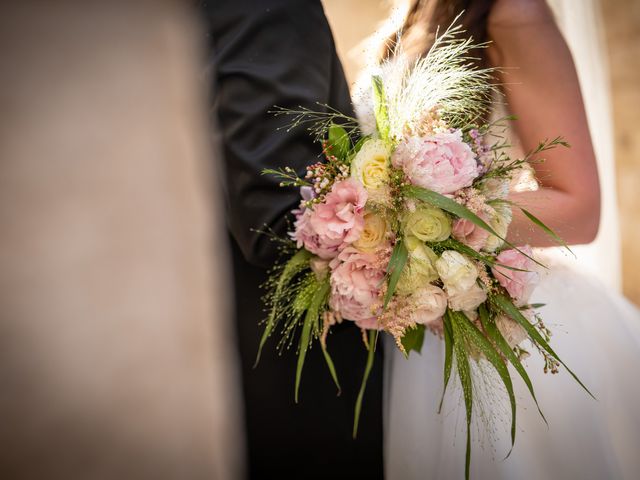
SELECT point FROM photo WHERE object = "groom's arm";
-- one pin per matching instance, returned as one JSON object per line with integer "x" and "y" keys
{"x": 267, "y": 53}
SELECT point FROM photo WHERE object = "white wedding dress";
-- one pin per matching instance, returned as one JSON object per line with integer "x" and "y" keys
{"x": 596, "y": 333}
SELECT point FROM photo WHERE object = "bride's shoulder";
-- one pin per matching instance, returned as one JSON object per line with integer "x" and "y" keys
{"x": 525, "y": 29}
{"x": 518, "y": 13}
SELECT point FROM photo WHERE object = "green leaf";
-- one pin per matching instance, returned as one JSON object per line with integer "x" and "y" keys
{"x": 332, "y": 368}
{"x": 304, "y": 296}
{"x": 339, "y": 141}
{"x": 397, "y": 263}
{"x": 508, "y": 308}
{"x": 380, "y": 108}
{"x": 319, "y": 299}
{"x": 489, "y": 326}
{"x": 536, "y": 221}
{"x": 295, "y": 265}
{"x": 453, "y": 244}
{"x": 546, "y": 229}
{"x": 536, "y": 305}
{"x": 464, "y": 372}
{"x": 460, "y": 211}
{"x": 448, "y": 356}
{"x": 304, "y": 346}
{"x": 359, "y": 144}
{"x": 438, "y": 200}
{"x": 474, "y": 336}
{"x": 413, "y": 339}
{"x": 373, "y": 340}
{"x": 356, "y": 148}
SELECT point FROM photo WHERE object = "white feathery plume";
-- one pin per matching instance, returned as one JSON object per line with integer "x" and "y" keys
{"x": 444, "y": 80}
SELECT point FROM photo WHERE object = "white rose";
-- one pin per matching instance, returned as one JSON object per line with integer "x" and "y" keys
{"x": 420, "y": 269}
{"x": 499, "y": 221}
{"x": 511, "y": 330}
{"x": 524, "y": 179}
{"x": 495, "y": 188}
{"x": 371, "y": 167}
{"x": 430, "y": 303}
{"x": 456, "y": 271}
{"x": 467, "y": 300}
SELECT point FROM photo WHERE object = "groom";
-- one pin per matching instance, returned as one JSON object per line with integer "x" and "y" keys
{"x": 265, "y": 53}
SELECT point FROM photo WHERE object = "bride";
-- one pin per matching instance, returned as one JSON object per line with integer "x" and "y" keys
{"x": 596, "y": 331}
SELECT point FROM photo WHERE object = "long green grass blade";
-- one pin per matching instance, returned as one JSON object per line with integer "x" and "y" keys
{"x": 373, "y": 340}
{"x": 454, "y": 244}
{"x": 319, "y": 298}
{"x": 546, "y": 229}
{"x": 453, "y": 207}
{"x": 304, "y": 346}
{"x": 474, "y": 336}
{"x": 464, "y": 372}
{"x": 536, "y": 221}
{"x": 359, "y": 144}
{"x": 380, "y": 108}
{"x": 537, "y": 305}
{"x": 397, "y": 263}
{"x": 438, "y": 200}
{"x": 448, "y": 357}
{"x": 295, "y": 265}
{"x": 494, "y": 334}
{"x": 507, "y": 307}
{"x": 332, "y": 368}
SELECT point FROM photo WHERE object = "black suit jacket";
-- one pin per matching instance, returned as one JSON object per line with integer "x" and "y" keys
{"x": 266, "y": 53}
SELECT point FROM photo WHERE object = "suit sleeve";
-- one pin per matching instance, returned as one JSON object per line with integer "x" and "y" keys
{"x": 267, "y": 54}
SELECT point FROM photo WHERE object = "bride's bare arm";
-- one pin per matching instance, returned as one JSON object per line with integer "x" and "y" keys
{"x": 542, "y": 90}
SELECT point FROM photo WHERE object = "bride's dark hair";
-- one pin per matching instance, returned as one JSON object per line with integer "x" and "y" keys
{"x": 424, "y": 17}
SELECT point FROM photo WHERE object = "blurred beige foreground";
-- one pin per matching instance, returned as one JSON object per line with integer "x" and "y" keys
{"x": 114, "y": 350}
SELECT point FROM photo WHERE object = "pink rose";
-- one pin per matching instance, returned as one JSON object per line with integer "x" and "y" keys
{"x": 355, "y": 286}
{"x": 441, "y": 162}
{"x": 466, "y": 232}
{"x": 518, "y": 284}
{"x": 330, "y": 226}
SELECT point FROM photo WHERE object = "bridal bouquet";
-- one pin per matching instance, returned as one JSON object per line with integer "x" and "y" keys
{"x": 406, "y": 230}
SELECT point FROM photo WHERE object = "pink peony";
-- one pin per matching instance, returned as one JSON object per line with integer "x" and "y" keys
{"x": 441, "y": 162}
{"x": 518, "y": 284}
{"x": 466, "y": 232}
{"x": 306, "y": 237}
{"x": 355, "y": 286}
{"x": 330, "y": 226}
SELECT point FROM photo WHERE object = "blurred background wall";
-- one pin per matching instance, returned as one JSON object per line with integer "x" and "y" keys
{"x": 622, "y": 27}
{"x": 354, "y": 20}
